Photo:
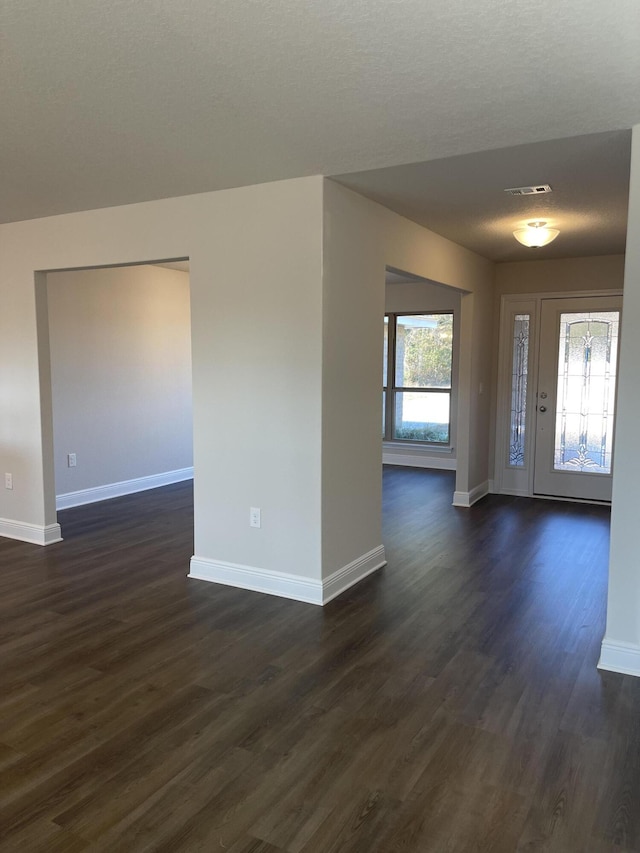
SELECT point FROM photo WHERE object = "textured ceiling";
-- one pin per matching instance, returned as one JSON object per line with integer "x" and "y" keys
{"x": 463, "y": 198}
{"x": 111, "y": 103}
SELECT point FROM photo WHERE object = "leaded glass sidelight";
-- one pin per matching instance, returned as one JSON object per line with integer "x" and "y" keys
{"x": 587, "y": 364}
{"x": 519, "y": 373}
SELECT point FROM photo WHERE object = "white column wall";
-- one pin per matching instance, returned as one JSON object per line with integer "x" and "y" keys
{"x": 621, "y": 645}
{"x": 365, "y": 237}
{"x": 361, "y": 238}
{"x": 256, "y": 345}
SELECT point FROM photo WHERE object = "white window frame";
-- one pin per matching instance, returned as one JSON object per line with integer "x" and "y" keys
{"x": 390, "y": 388}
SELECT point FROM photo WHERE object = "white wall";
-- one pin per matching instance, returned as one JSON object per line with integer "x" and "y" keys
{"x": 621, "y": 645}
{"x": 605, "y": 272}
{"x": 120, "y": 343}
{"x": 361, "y": 238}
{"x": 287, "y": 297}
{"x": 420, "y": 296}
{"x": 255, "y": 271}
{"x": 387, "y": 238}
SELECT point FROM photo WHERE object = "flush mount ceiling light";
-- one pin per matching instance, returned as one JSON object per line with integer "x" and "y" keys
{"x": 535, "y": 235}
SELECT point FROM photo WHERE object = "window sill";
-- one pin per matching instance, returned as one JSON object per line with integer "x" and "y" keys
{"x": 417, "y": 447}
{"x": 418, "y": 455}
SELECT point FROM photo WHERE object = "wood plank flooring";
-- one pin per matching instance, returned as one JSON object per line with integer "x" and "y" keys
{"x": 450, "y": 702}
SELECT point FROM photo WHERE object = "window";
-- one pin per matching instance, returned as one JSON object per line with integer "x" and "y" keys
{"x": 417, "y": 368}
{"x": 519, "y": 377}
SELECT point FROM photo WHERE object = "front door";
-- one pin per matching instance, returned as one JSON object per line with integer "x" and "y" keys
{"x": 576, "y": 394}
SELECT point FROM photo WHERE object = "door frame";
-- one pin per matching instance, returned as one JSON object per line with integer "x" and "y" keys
{"x": 509, "y": 479}
{"x": 548, "y": 479}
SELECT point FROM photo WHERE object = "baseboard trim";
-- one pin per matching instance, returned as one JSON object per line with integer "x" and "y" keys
{"x": 36, "y": 534}
{"x": 338, "y": 582}
{"x": 282, "y": 584}
{"x": 125, "y": 487}
{"x": 307, "y": 590}
{"x": 620, "y": 657}
{"x": 467, "y": 499}
{"x": 409, "y": 461}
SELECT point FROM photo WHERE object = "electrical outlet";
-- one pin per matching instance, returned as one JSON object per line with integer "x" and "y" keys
{"x": 71, "y": 460}
{"x": 8, "y": 481}
{"x": 254, "y": 516}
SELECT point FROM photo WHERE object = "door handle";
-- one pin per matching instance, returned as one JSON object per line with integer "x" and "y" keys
{"x": 542, "y": 408}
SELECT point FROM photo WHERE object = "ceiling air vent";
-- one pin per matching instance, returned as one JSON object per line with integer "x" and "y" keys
{"x": 536, "y": 189}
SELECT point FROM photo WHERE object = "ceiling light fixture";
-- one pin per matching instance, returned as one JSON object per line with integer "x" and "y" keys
{"x": 535, "y": 235}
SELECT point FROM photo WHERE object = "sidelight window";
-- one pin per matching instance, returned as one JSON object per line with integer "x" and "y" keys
{"x": 519, "y": 378}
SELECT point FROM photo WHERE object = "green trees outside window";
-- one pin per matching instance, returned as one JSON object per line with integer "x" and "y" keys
{"x": 418, "y": 357}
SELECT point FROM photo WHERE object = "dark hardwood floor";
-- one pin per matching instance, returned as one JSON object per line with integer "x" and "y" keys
{"x": 450, "y": 702}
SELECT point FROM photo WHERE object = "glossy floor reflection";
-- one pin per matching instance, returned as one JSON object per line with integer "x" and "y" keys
{"x": 450, "y": 702}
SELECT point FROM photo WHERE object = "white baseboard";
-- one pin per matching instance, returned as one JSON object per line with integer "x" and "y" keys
{"x": 257, "y": 580}
{"x": 620, "y": 657}
{"x": 338, "y": 582}
{"x": 411, "y": 461}
{"x": 126, "y": 487}
{"x": 37, "y": 534}
{"x": 308, "y": 590}
{"x": 467, "y": 499}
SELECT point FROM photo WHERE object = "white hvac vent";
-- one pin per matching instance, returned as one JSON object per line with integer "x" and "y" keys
{"x": 536, "y": 189}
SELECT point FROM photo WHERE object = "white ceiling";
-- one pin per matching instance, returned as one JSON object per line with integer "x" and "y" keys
{"x": 112, "y": 103}
{"x": 463, "y": 199}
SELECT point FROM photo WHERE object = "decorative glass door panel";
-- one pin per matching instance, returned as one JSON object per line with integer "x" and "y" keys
{"x": 576, "y": 397}
{"x": 519, "y": 379}
{"x": 587, "y": 361}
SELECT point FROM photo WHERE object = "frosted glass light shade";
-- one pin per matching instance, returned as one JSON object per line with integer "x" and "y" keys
{"x": 535, "y": 235}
